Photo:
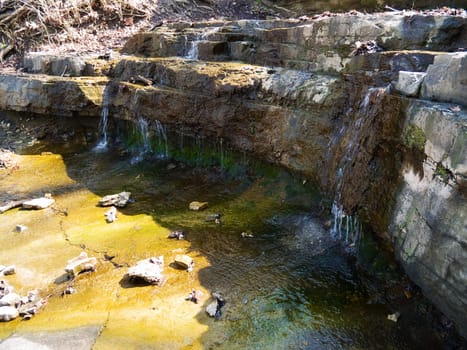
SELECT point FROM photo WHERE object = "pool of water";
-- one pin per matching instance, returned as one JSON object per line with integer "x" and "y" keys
{"x": 289, "y": 286}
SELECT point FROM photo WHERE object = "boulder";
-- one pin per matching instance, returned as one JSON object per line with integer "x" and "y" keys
{"x": 148, "y": 270}
{"x": 8, "y": 313}
{"x": 119, "y": 200}
{"x": 81, "y": 263}
{"x": 38, "y": 203}
{"x": 10, "y": 299}
{"x": 196, "y": 206}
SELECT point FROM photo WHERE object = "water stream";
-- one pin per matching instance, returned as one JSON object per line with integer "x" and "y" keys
{"x": 103, "y": 124}
{"x": 287, "y": 284}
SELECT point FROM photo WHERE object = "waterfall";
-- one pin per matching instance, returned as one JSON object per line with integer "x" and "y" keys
{"x": 347, "y": 228}
{"x": 221, "y": 146}
{"x": 161, "y": 141}
{"x": 192, "y": 53}
{"x": 102, "y": 145}
{"x": 143, "y": 130}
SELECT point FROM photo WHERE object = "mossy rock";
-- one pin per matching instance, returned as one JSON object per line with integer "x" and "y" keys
{"x": 414, "y": 137}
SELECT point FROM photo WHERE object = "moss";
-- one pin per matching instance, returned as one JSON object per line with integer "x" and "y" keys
{"x": 414, "y": 137}
{"x": 443, "y": 173}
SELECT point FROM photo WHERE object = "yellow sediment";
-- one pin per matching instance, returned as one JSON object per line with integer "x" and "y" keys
{"x": 130, "y": 317}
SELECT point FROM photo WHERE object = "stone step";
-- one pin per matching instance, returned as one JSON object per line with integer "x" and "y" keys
{"x": 327, "y": 44}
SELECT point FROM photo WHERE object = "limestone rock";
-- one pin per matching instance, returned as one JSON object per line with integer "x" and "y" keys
{"x": 196, "y": 206}
{"x": 81, "y": 263}
{"x": 409, "y": 83}
{"x": 8, "y": 313}
{"x": 148, "y": 270}
{"x": 118, "y": 200}
{"x": 39, "y": 203}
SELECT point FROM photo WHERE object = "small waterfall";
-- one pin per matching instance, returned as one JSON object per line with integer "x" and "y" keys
{"x": 221, "y": 146}
{"x": 161, "y": 141}
{"x": 143, "y": 130}
{"x": 103, "y": 124}
{"x": 143, "y": 144}
{"x": 192, "y": 53}
{"x": 347, "y": 228}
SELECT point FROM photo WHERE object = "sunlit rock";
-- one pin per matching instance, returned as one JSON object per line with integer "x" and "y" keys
{"x": 10, "y": 299}
{"x": 8, "y": 313}
{"x": 111, "y": 214}
{"x": 148, "y": 270}
{"x": 184, "y": 262}
{"x": 39, "y": 203}
{"x": 81, "y": 263}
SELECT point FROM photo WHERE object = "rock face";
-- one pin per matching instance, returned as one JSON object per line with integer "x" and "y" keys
{"x": 335, "y": 98}
{"x": 430, "y": 220}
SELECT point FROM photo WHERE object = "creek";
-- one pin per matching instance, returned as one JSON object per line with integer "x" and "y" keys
{"x": 290, "y": 286}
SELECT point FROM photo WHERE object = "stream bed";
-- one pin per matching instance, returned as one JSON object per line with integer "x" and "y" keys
{"x": 287, "y": 284}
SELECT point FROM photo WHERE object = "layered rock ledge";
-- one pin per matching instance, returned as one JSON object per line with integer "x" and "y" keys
{"x": 370, "y": 107}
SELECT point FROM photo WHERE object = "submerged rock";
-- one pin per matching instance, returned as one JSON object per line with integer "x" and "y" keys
{"x": 394, "y": 317}
{"x": 148, "y": 270}
{"x": 119, "y": 200}
{"x": 214, "y": 218}
{"x": 81, "y": 263}
{"x": 176, "y": 234}
{"x": 197, "y": 206}
{"x": 214, "y": 309}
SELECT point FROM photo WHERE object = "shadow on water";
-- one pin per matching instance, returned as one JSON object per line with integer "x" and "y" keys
{"x": 286, "y": 283}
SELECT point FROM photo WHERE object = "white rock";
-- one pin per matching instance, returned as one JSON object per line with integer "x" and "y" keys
{"x": 8, "y": 270}
{"x": 11, "y": 299}
{"x": 8, "y": 313}
{"x": 39, "y": 203}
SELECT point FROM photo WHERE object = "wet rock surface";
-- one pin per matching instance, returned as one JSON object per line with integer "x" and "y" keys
{"x": 300, "y": 96}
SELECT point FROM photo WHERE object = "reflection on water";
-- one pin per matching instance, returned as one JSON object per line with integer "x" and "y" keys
{"x": 289, "y": 286}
